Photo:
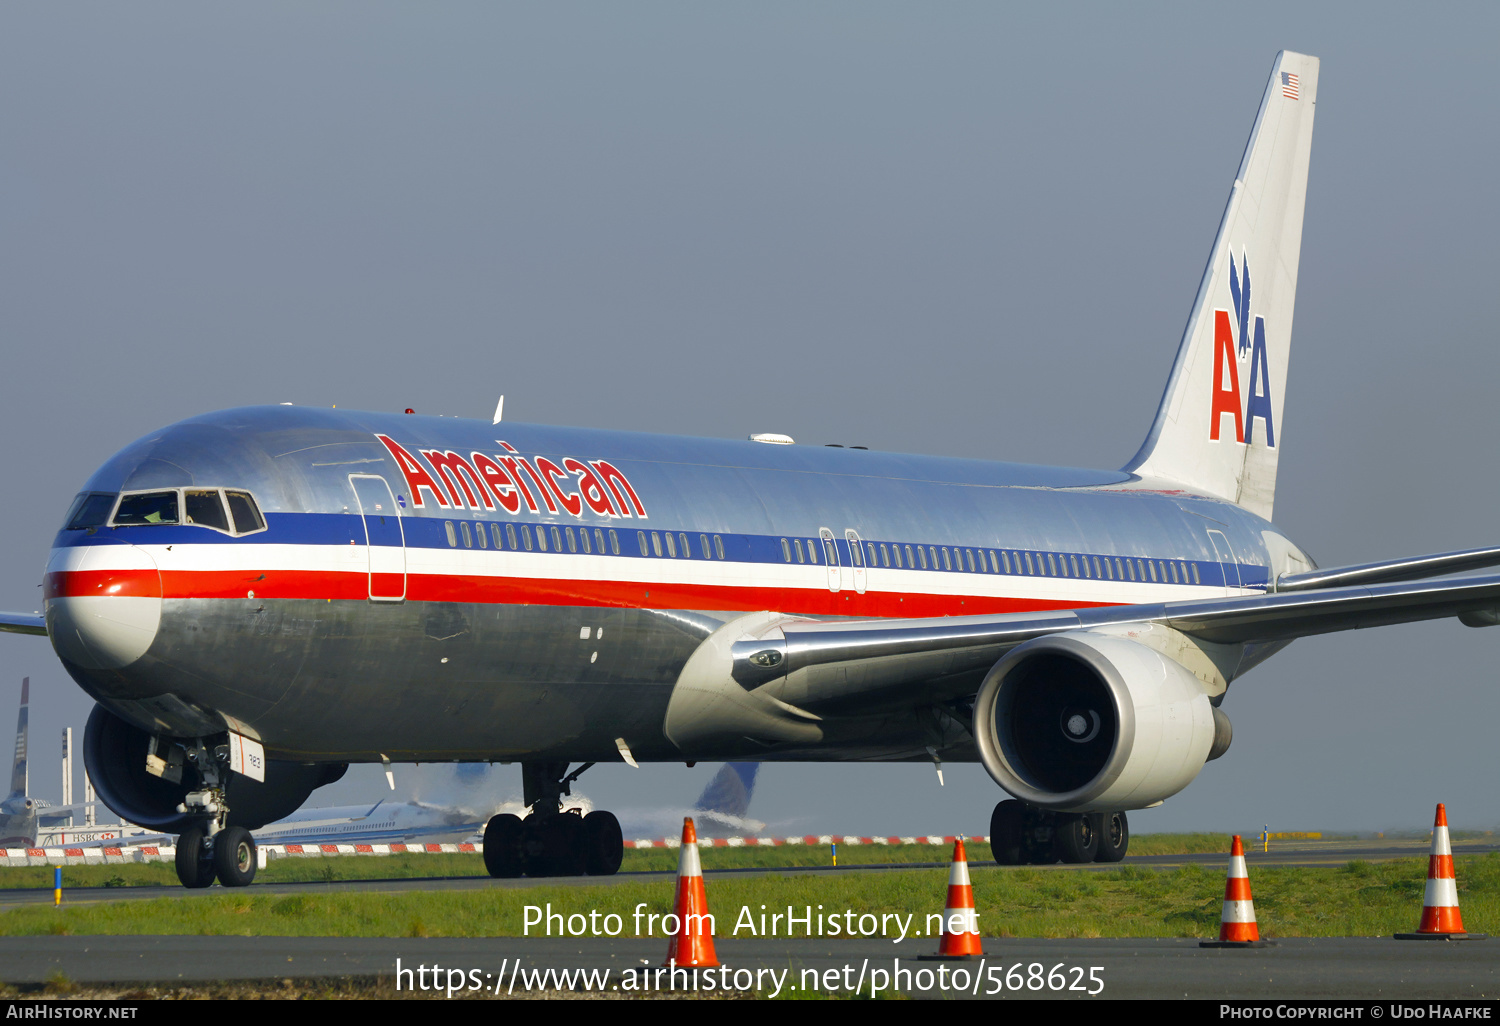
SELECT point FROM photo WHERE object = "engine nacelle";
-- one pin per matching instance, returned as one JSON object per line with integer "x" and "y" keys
{"x": 114, "y": 752}
{"x": 1089, "y": 722}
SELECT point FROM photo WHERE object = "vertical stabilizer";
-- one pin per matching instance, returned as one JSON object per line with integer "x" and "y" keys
{"x": 1218, "y": 429}
{"x": 18, "y": 777}
{"x": 730, "y": 791}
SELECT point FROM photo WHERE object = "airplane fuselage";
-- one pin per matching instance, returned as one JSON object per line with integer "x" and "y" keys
{"x": 426, "y": 588}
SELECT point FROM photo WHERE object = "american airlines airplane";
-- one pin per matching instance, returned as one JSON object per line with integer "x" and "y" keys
{"x": 259, "y": 597}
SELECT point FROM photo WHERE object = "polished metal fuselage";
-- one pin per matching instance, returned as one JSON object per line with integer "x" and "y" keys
{"x": 505, "y": 652}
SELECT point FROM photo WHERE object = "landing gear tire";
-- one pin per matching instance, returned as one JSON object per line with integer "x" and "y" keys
{"x": 1077, "y": 837}
{"x": 1007, "y": 833}
{"x": 195, "y": 862}
{"x": 234, "y": 857}
{"x": 504, "y": 854}
{"x": 1114, "y": 837}
{"x": 604, "y": 844}
{"x": 554, "y": 845}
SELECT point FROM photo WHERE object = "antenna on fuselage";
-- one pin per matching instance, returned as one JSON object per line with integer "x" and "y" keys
{"x": 499, "y": 409}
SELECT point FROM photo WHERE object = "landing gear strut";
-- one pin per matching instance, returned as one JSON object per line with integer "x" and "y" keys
{"x": 1021, "y": 833}
{"x": 552, "y": 840}
{"x": 210, "y": 847}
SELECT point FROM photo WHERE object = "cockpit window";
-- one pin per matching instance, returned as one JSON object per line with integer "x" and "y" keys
{"x": 233, "y": 512}
{"x": 147, "y": 508}
{"x": 204, "y": 508}
{"x": 246, "y": 513}
{"x": 90, "y": 509}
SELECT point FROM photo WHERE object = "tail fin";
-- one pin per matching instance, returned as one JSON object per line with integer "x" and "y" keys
{"x": 18, "y": 778}
{"x": 1218, "y": 429}
{"x": 729, "y": 792}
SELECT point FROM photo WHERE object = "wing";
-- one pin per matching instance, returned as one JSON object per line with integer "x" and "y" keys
{"x": 23, "y": 623}
{"x": 806, "y": 665}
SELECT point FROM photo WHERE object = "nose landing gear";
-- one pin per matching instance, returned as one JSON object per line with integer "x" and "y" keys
{"x": 210, "y": 848}
{"x": 1021, "y": 834}
{"x": 552, "y": 840}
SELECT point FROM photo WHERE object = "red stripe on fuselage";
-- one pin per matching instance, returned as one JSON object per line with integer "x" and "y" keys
{"x": 77, "y": 583}
{"x": 459, "y": 588}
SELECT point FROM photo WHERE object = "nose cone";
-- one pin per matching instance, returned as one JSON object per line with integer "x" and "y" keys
{"x": 103, "y": 604}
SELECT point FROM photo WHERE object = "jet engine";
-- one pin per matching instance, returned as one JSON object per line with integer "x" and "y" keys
{"x": 1090, "y": 722}
{"x": 114, "y": 752}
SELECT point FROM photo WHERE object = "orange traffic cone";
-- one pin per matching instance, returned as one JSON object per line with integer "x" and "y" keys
{"x": 1237, "y": 927}
{"x": 960, "y": 920}
{"x": 693, "y": 943}
{"x": 1440, "y": 918}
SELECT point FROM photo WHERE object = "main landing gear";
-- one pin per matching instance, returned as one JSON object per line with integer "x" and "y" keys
{"x": 552, "y": 840}
{"x": 210, "y": 848}
{"x": 1022, "y": 834}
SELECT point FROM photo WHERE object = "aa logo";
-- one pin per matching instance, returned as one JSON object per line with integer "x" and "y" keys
{"x": 1232, "y": 344}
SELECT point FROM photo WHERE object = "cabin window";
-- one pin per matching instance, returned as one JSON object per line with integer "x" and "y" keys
{"x": 468, "y": 535}
{"x": 452, "y": 537}
{"x": 947, "y": 563}
{"x": 599, "y": 540}
{"x": 1172, "y": 570}
{"x": 684, "y": 547}
{"x": 922, "y": 555}
{"x": 510, "y": 536}
{"x": 812, "y": 553}
{"x": 671, "y": 546}
{"x": 614, "y": 542}
{"x": 703, "y": 545}
{"x": 909, "y": 563}
{"x": 1005, "y": 560}
{"x": 204, "y": 508}
{"x": 541, "y": 537}
{"x": 482, "y": 537}
{"x": 572, "y": 540}
{"x": 885, "y": 555}
{"x": 1073, "y": 564}
{"x": 656, "y": 542}
{"x": 583, "y": 540}
{"x": 147, "y": 508}
{"x": 932, "y": 551}
{"x": 797, "y": 545}
{"x": 1195, "y": 574}
{"x": 1029, "y": 570}
{"x": 1151, "y": 570}
{"x": 495, "y": 534}
{"x": 526, "y": 536}
{"x": 870, "y": 552}
{"x": 856, "y": 557}
{"x": 1051, "y": 566}
{"x": 640, "y": 538}
{"x": 718, "y": 546}
{"x": 786, "y": 551}
{"x": 969, "y": 558}
{"x": 556, "y": 539}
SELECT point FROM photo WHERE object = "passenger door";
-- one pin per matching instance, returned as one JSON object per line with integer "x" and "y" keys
{"x": 385, "y": 539}
{"x": 1226, "y": 560}
{"x": 857, "y": 558}
{"x": 830, "y": 558}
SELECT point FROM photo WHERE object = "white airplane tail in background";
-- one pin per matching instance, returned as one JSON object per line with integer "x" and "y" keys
{"x": 1218, "y": 429}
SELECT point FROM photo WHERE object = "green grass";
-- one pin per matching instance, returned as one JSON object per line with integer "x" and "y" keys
{"x": 1358, "y": 899}
{"x": 387, "y": 867}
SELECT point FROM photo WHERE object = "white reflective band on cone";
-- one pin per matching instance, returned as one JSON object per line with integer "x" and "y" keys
{"x": 1238, "y": 912}
{"x": 970, "y": 920}
{"x": 1441, "y": 893}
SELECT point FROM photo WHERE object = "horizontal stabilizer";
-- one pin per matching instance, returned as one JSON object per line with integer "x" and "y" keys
{"x": 1415, "y": 568}
{"x": 23, "y": 623}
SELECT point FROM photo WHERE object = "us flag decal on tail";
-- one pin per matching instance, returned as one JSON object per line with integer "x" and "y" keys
{"x": 1289, "y": 87}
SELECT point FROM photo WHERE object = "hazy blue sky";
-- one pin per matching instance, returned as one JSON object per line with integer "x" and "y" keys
{"x": 969, "y": 229}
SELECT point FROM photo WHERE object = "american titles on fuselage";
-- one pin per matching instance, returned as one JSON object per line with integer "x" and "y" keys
{"x": 1229, "y": 349}
{"x": 507, "y": 480}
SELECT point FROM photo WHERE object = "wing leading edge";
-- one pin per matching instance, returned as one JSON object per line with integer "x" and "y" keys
{"x": 845, "y": 659}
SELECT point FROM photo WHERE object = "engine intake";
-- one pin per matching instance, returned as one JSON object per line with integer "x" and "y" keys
{"x": 1091, "y": 722}
{"x": 114, "y": 752}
